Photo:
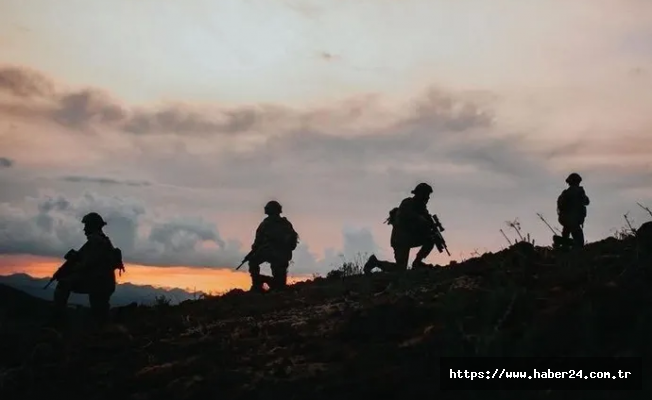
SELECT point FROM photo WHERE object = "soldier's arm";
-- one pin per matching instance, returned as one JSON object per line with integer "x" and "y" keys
{"x": 77, "y": 261}
{"x": 422, "y": 214}
{"x": 90, "y": 254}
{"x": 427, "y": 216}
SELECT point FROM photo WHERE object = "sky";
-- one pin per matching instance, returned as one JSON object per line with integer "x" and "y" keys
{"x": 178, "y": 121}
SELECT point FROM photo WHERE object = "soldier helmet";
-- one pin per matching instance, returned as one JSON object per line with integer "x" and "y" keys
{"x": 574, "y": 178}
{"x": 422, "y": 188}
{"x": 273, "y": 207}
{"x": 93, "y": 219}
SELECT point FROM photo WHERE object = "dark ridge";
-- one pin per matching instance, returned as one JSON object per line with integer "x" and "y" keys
{"x": 353, "y": 337}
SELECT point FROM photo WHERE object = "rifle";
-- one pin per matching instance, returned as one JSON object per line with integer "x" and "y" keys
{"x": 251, "y": 254}
{"x": 71, "y": 258}
{"x": 438, "y": 228}
{"x": 245, "y": 259}
{"x": 554, "y": 232}
{"x": 392, "y": 216}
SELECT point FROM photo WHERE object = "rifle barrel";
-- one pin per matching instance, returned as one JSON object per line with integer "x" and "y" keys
{"x": 547, "y": 224}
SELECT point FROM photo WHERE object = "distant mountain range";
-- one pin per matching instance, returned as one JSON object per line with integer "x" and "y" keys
{"x": 125, "y": 293}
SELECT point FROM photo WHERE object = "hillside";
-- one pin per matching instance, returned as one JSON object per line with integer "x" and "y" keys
{"x": 356, "y": 337}
{"x": 125, "y": 293}
{"x": 17, "y": 305}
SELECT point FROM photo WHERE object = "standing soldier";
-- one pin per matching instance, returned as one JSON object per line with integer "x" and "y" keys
{"x": 91, "y": 270}
{"x": 275, "y": 241}
{"x": 412, "y": 226}
{"x": 571, "y": 211}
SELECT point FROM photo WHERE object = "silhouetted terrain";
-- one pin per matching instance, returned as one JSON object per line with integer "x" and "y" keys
{"x": 16, "y": 304}
{"x": 355, "y": 337}
{"x": 126, "y": 293}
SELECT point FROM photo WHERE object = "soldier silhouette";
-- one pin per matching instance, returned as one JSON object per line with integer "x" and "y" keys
{"x": 571, "y": 212}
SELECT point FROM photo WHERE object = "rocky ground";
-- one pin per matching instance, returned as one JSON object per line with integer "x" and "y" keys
{"x": 353, "y": 337}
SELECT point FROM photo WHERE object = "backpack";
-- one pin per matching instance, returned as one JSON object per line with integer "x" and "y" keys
{"x": 292, "y": 237}
{"x": 562, "y": 202}
{"x": 114, "y": 256}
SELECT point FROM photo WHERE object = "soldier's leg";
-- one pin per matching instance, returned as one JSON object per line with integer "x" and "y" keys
{"x": 401, "y": 255}
{"x": 100, "y": 305}
{"x": 374, "y": 262}
{"x": 578, "y": 236}
{"x": 565, "y": 232}
{"x": 427, "y": 245}
{"x": 279, "y": 274}
{"x": 256, "y": 278}
{"x": 565, "y": 240}
{"x": 371, "y": 263}
{"x": 61, "y": 296}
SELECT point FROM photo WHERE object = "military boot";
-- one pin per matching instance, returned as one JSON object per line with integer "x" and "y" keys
{"x": 419, "y": 264}
{"x": 561, "y": 243}
{"x": 256, "y": 284}
{"x": 371, "y": 263}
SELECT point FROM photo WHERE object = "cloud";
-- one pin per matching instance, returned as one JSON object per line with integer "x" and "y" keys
{"x": 445, "y": 135}
{"x": 357, "y": 244}
{"x": 103, "y": 181}
{"x": 341, "y": 164}
{"x": 78, "y": 109}
{"x": 6, "y": 162}
{"x": 92, "y": 107}
{"x": 25, "y": 82}
{"x": 358, "y": 241}
{"x": 184, "y": 234}
{"x": 51, "y": 225}
{"x": 178, "y": 119}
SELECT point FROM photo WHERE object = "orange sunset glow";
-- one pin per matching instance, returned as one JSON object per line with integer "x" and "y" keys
{"x": 207, "y": 280}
